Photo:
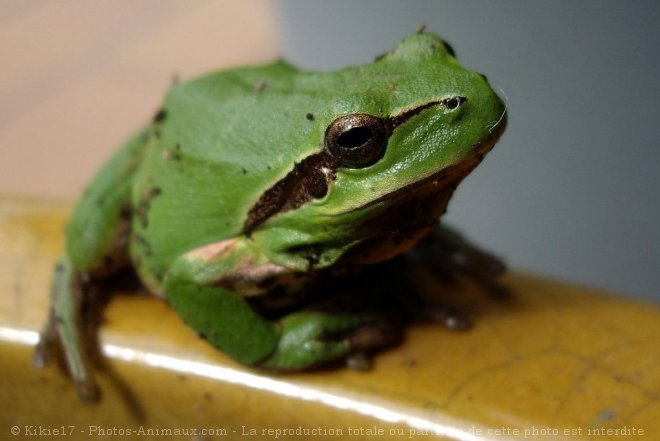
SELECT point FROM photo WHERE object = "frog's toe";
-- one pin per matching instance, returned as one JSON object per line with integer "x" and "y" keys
{"x": 450, "y": 318}
{"x": 88, "y": 391}
{"x": 367, "y": 339}
{"x": 374, "y": 333}
{"x": 359, "y": 361}
{"x": 43, "y": 354}
{"x": 48, "y": 345}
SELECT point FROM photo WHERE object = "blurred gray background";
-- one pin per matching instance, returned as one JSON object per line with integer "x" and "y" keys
{"x": 573, "y": 188}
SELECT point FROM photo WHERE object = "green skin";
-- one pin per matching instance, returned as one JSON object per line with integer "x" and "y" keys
{"x": 174, "y": 202}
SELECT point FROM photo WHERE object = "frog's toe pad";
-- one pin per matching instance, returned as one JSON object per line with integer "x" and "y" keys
{"x": 45, "y": 352}
{"x": 451, "y": 319}
{"x": 359, "y": 361}
{"x": 373, "y": 335}
{"x": 42, "y": 357}
{"x": 88, "y": 391}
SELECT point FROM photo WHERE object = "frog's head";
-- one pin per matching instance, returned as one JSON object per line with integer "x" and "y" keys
{"x": 399, "y": 135}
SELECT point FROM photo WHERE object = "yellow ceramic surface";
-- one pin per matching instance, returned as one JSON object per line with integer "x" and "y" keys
{"x": 553, "y": 361}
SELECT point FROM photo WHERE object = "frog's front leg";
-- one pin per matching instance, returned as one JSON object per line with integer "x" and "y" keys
{"x": 206, "y": 286}
{"x": 449, "y": 253}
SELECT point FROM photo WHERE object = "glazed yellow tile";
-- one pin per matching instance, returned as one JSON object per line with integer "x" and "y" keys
{"x": 552, "y": 361}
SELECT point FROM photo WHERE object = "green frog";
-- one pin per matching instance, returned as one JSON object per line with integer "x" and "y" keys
{"x": 256, "y": 180}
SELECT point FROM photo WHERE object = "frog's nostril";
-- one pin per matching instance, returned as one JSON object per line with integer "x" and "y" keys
{"x": 484, "y": 77}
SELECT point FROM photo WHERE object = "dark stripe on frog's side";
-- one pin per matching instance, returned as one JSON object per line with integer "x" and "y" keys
{"x": 310, "y": 178}
{"x": 142, "y": 242}
{"x": 143, "y": 207}
{"x": 160, "y": 116}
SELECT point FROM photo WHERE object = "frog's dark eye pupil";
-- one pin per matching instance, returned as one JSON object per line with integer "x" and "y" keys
{"x": 357, "y": 140}
{"x": 454, "y": 102}
{"x": 354, "y": 137}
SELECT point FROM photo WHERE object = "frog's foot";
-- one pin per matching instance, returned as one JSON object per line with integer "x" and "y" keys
{"x": 64, "y": 331}
{"x": 312, "y": 338}
{"x": 49, "y": 348}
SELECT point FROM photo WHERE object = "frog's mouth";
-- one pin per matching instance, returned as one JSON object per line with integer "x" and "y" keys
{"x": 411, "y": 212}
{"x": 445, "y": 179}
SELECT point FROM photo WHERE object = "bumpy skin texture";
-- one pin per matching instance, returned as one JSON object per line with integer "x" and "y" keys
{"x": 235, "y": 189}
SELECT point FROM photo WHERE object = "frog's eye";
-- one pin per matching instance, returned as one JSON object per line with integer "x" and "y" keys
{"x": 357, "y": 140}
{"x": 454, "y": 102}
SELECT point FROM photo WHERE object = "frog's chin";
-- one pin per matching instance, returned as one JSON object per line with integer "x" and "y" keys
{"x": 410, "y": 213}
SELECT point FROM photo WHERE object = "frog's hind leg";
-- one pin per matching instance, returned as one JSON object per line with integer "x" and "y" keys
{"x": 64, "y": 326}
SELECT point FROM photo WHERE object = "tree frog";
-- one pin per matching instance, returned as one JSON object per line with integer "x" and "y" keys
{"x": 258, "y": 180}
